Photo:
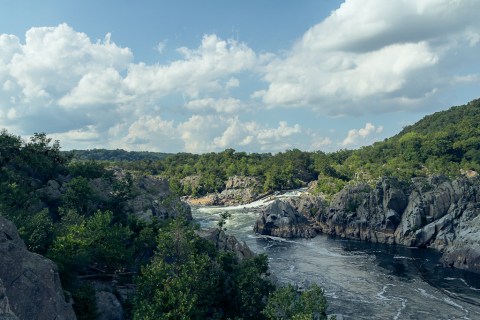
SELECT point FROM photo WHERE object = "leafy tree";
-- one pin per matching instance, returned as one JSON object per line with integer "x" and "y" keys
{"x": 181, "y": 282}
{"x": 286, "y": 303}
{"x": 92, "y": 240}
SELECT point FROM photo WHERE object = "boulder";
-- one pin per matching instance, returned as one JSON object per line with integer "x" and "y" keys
{"x": 225, "y": 242}
{"x": 108, "y": 306}
{"x": 286, "y": 218}
{"x": 29, "y": 283}
{"x": 154, "y": 199}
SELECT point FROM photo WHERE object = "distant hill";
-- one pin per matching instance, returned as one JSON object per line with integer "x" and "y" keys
{"x": 117, "y": 155}
{"x": 443, "y": 142}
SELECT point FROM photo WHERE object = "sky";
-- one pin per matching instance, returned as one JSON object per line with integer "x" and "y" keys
{"x": 256, "y": 76}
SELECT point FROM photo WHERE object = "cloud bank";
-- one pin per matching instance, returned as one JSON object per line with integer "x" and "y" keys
{"x": 368, "y": 56}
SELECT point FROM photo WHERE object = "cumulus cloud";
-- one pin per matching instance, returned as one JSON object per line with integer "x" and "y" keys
{"x": 61, "y": 82}
{"x": 205, "y": 133}
{"x": 320, "y": 143}
{"x": 227, "y": 105}
{"x": 199, "y": 70}
{"x": 356, "y": 137}
{"x": 374, "y": 54}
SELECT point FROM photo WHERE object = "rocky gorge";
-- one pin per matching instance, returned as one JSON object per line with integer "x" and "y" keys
{"x": 434, "y": 212}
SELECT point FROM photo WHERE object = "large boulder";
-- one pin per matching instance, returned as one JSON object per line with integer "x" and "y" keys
{"x": 108, "y": 306}
{"x": 153, "y": 198}
{"x": 29, "y": 283}
{"x": 366, "y": 213}
{"x": 287, "y": 218}
{"x": 225, "y": 242}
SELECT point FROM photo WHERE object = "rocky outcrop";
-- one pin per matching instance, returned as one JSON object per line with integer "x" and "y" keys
{"x": 238, "y": 190}
{"x": 29, "y": 283}
{"x": 365, "y": 213}
{"x": 108, "y": 306}
{"x": 289, "y": 217}
{"x": 226, "y": 242}
{"x": 153, "y": 198}
{"x": 433, "y": 212}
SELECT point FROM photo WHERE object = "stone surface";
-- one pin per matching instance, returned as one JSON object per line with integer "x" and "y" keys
{"x": 226, "y": 242}
{"x": 29, "y": 283}
{"x": 287, "y": 218}
{"x": 435, "y": 212}
{"x": 108, "y": 306}
{"x": 238, "y": 190}
{"x": 153, "y": 198}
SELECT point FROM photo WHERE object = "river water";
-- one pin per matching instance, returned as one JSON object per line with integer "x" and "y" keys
{"x": 361, "y": 280}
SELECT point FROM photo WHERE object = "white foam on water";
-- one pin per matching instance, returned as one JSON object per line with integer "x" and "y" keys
{"x": 380, "y": 295}
{"x": 402, "y": 307}
{"x": 403, "y": 257}
{"x": 424, "y": 293}
{"x": 469, "y": 286}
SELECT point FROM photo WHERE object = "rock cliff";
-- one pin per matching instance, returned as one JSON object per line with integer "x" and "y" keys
{"x": 433, "y": 212}
{"x": 226, "y": 242}
{"x": 29, "y": 283}
{"x": 238, "y": 190}
{"x": 289, "y": 218}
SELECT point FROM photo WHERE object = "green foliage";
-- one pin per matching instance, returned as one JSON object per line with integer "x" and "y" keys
{"x": 92, "y": 240}
{"x": 189, "y": 279}
{"x": 286, "y": 303}
{"x": 85, "y": 304}
{"x": 88, "y": 169}
{"x": 181, "y": 281}
{"x": 37, "y": 231}
{"x": 78, "y": 196}
{"x": 224, "y": 216}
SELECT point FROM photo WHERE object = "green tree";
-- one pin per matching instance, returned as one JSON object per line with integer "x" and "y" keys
{"x": 181, "y": 282}
{"x": 286, "y": 303}
{"x": 93, "y": 240}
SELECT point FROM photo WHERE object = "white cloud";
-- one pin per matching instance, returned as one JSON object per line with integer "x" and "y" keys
{"x": 199, "y": 70}
{"x": 161, "y": 46}
{"x": 374, "y": 54}
{"x": 228, "y": 105}
{"x": 203, "y": 133}
{"x": 320, "y": 143}
{"x": 356, "y": 137}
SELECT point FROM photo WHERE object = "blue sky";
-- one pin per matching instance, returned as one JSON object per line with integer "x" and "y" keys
{"x": 256, "y": 76}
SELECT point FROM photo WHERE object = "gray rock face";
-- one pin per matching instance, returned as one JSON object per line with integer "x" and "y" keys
{"x": 109, "y": 308}
{"x": 154, "y": 199}
{"x": 436, "y": 213}
{"x": 287, "y": 218}
{"x": 226, "y": 242}
{"x": 29, "y": 283}
{"x": 362, "y": 212}
{"x": 238, "y": 190}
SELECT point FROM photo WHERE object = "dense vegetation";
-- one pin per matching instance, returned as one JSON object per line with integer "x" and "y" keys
{"x": 442, "y": 143}
{"x": 91, "y": 236}
{"x": 117, "y": 155}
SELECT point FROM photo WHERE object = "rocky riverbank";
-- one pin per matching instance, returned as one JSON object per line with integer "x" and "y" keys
{"x": 433, "y": 212}
{"x": 238, "y": 190}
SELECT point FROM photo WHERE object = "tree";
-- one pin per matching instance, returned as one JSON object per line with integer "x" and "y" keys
{"x": 181, "y": 282}
{"x": 93, "y": 240}
{"x": 287, "y": 303}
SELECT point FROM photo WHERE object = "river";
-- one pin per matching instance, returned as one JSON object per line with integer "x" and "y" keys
{"x": 361, "y": 280}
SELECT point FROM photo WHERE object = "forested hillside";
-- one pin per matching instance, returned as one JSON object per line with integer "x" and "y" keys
{"x": 116, "y": 155}
{"x": 442, "y": 143}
